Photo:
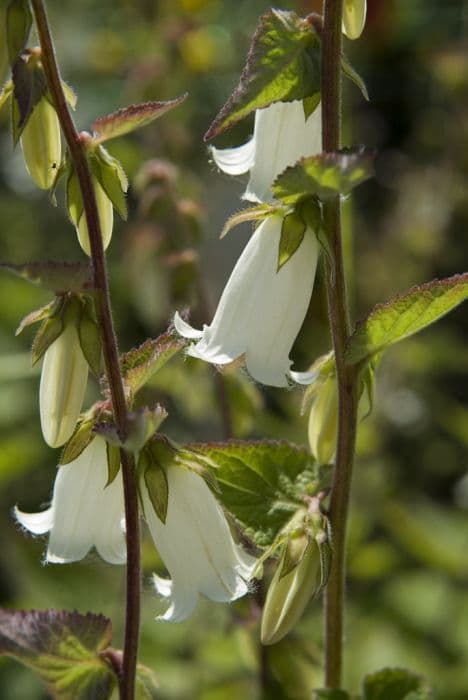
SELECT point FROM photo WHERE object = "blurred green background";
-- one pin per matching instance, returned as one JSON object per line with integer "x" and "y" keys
{"x": 408, "y": 555}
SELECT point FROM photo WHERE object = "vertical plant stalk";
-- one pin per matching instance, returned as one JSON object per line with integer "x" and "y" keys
{"x": 346, "y": 375}
{"x": 77, "y": 150}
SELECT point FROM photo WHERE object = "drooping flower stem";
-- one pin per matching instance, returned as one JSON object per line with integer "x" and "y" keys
{"x": 76, "y": 147}
{"x": 346, "y": 375}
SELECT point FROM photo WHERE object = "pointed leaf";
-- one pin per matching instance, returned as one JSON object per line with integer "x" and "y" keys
{"x": 18, "y": 27}
{"x": 90, "y": 337}
{"x": 36, "y": 316}
{"x": 395, "y": 684}
{"x": 48, "y": 332}
{"x": 140, "y": 364}
{"x": 292, "y": 234}
{"x": 325, "y": 175}
{"x": 283, "y": 65}
{"x": 131, "y": 118}
{"x": 158, "y": 488}
{"x": 354, "y": 76}
{"x": 405, "y": 315}
{"x": 263, "y": 482}
{"x": 80, "y": 439}
{"x": 111, "y": 176}
{"x": 257, "y": 213}
{"x": 57, "y": 276}
{"x": 63, "y": 648}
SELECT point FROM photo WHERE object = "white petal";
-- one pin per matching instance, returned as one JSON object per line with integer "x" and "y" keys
{"x": 85, "y": 512}
{"x": 36, "y": 523}
{"x": 196, "y": 546}
{"x": 304, "y": 378}
{"x": 261, "y": 309}
{"x": 282, "y": 136}
{"x": 234, "y": 161}
{"x": 185, "y": 329}
{"x": 63, "y": 385}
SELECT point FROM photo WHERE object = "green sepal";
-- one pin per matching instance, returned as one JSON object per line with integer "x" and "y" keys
{"x": 70, "y": 94}
{"x": 18, "y": 27}
{"x": 75, "y": 205}
{"x": 56, "y": 276}
{"x": 395, "y": 684}
{"x": 146, "y": 687}
{"x": 310, "y": 104}
{"x": 131, "y": 118}
{"x": 283, "y": 64}
{"x": 293, "y": 231}
{"x": 405, "y": 315}
{"x": 79, "y": 441}
{"x": 49, "y": 330}
{"x": 6, "y": 93}
{"x": 112, "y": 178}
{"x": 29, "y": 88}
{"x": 113, "y": 462}
{"x": 325, "y": 175}
{"x": 90, "y": 336}
{"x": 157, "y": 485}
{"x": 354, "y": 76}
{"x": 257, "y": 213}
{"x": 39, "y": 314}
{"x": 295, "y": 547}
{"x": 141, "y": 426}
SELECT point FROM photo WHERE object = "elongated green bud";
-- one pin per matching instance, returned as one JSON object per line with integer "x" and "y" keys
{"x": 106, "y": 218}
{"x": 290, "y": 592}
{"x": 63, "y": 384}
{"x": 41, "y": 144}
{"x": 354, "y": 18}
{"x": 323, "y": 421}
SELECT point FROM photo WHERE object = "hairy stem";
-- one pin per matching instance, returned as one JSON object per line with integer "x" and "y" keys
{"x": 346, "y": 376}
{"x": 78, "y": 156}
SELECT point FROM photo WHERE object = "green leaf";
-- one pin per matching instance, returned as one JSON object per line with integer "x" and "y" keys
{"x": 292, "y": 234}
{"x": 354, "y": 76}
{"x": 111, "y": 176}
{"x": 405, "y": 315}
{"x": 283, "y": 65}
{"x": 325, "y": 175}
{"x": 81, "y": 438}
{"x": 395, "y": 684}
{"x": 131, "y": 118}
{"x": 257, "y": 213}
{"x": 140, "y": 364}
{"x": 18, "y": 27}
{"x": 48, "y": 332}
{"x": 58, "y": 277}
{"x": 330, "y": 695}
{"x": 29, "y": 87}
{"x": 63, "y": 648}
{"x": 262, "y": 483}
{"x": 90, "y": 336}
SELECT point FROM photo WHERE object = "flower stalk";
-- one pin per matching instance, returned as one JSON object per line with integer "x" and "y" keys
{"x": 346, "y": 374}
{"x": 77, "y": 147}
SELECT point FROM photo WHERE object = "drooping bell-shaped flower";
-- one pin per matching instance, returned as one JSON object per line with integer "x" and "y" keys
{"x": 196, "y": 546}
{"x": 261, "y": 309}
{"x": 354, "y": 18}
{"x": 84, "y": 513}
{"x": 282, "y": 136}
{"x": 63, "y": 385}
{"x": 41, "y": 144}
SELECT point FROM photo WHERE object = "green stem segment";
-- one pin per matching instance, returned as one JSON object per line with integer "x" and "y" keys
{"x": 346, "y": 375}
{"x": 77, "y": 151}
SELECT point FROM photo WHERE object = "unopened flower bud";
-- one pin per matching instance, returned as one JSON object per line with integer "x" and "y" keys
{"x": 290, "y": 592}
{"x": 354, "y": 18}
{"x": 63, "y": 384}
{"x": 41, "y": 144}
{"x": 106, "y": 219}
{"x": 323, "y": 421}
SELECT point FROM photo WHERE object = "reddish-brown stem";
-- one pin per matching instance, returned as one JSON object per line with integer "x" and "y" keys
{"x": 77, "y": 149}
{"x": 346, "y": 375}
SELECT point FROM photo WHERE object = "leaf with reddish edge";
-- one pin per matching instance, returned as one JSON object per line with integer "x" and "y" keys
{"x": 128, "y": 119}
{"x": 56, "y": 276}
